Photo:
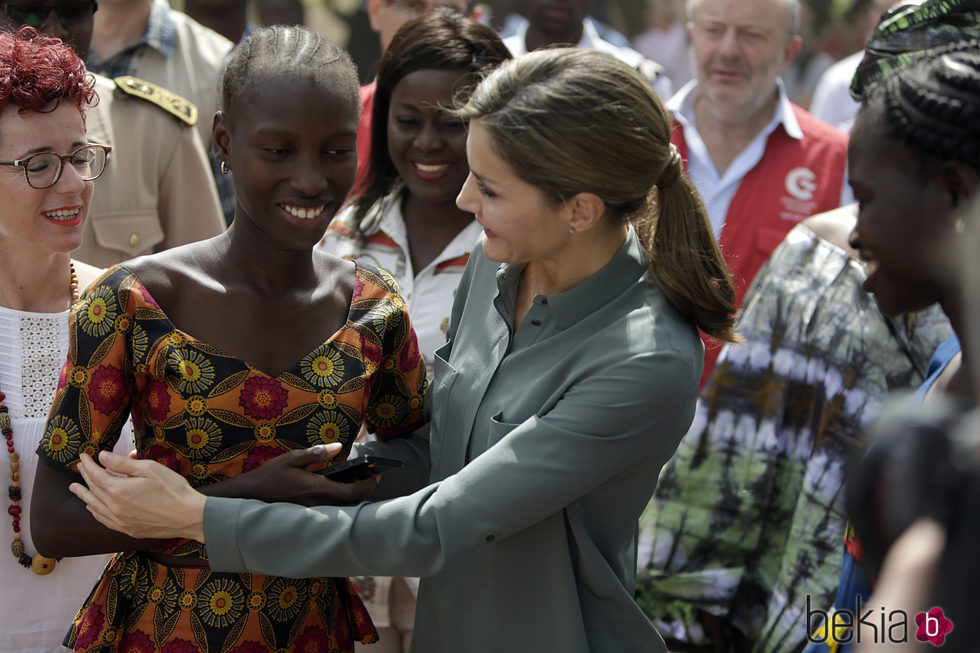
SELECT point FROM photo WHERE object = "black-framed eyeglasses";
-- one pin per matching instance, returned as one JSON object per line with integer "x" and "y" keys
{"x": 43, "y": 169}
{"x": 34, "y": 15}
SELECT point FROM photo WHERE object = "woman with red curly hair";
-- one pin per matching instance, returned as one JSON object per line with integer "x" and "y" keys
{"x": 47, "y": 170}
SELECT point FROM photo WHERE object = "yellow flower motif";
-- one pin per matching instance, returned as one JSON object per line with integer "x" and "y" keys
{"x": 156, "y": 594}
{"x": 388, "y": 411}
{"x": 389, "y": 363}
{"x": 386, "y": 317}
{"x": 96, "y": 313}
{"x": 327, "y": 427}
{"x": 197, "y": 438}
{"x": 195, "y": 371}
{"x": 265, "y": 432}
{"x": 158, "y": 434}
{"x": 188, "y": 599}
{"x": 203, "y": 437}
{"x": 415, "y": 402}
{"x": 256, "y": 601}
{"x": 327, "y": 399}
{"x": 177, "y": 339}
{"x": 324, "y": 367}
{"x": 287, "y": 597}
{"x": 59, "y": 439}
{"x": 78, "y": 376}
{"x": 196, "y": 405}
{"x": 123, "y": 323}
{"x": 220, "y": 603}
{"x": 62, "y": 439}
{"x": 190, "y": 370}
{"x": 385, "y": 410}
{"x": 199, "y": 470}
{"x": 109, "y": 635}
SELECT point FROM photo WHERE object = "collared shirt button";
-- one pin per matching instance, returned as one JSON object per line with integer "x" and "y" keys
{"x": 134, "y": 239}
{"x": 491, "y": 538}
{"x": 544, "y": 301}
{"x": 535, "y": 322}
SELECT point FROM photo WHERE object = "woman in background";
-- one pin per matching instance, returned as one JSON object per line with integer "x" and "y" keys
{"x": 47, "y": 171}
{"x": 405, "y": 220}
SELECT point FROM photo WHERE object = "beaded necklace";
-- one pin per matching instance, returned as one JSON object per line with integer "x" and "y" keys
{"x": 37, "y": 563}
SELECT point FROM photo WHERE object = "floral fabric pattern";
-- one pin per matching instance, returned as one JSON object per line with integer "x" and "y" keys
{"x": 210, "y": 416}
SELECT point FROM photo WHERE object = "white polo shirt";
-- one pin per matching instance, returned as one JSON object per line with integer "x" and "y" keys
{"x": 429, "y": 292}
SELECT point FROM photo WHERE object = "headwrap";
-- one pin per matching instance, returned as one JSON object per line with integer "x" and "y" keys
{"x": 908, "y": 30}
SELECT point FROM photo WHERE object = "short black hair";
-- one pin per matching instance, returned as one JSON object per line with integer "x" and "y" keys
{"x": 282, "y": 50}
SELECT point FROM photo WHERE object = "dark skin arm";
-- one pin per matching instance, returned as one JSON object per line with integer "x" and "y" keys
{"x": 62, "y": 526}
{"x": 291, "y": 308}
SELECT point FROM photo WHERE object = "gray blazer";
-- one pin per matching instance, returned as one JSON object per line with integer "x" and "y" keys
{"x": 544, "y": 447}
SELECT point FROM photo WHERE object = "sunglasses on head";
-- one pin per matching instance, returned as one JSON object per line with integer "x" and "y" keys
{"x": 32, "y": 15}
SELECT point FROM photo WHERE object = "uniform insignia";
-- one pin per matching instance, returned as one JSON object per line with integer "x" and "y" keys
{"x": 181, "y": 108}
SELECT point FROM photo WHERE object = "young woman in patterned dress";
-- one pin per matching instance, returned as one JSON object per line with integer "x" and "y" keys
{"x": 231, "y": 352}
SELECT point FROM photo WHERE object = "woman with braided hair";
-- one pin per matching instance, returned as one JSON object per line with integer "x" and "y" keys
{"x": 570, "y": 375}
{"x": 914, "y": 166}
{"x": 914, "y": 161}
{"x": 234, "y": 356}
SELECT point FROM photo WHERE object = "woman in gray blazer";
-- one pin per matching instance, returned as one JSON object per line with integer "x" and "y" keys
{"x": 569, "y": 377}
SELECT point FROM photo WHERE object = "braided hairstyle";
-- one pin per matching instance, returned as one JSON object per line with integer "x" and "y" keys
{"x": 933, "y": 106}
{"x": 284, "y": 50}
{"x": 573, "y": 120}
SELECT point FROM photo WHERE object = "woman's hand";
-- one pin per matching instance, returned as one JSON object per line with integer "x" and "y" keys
{"x": 285, "y": 478}
{"x": 145, "y": 499}
{"x": 140, "y": 498}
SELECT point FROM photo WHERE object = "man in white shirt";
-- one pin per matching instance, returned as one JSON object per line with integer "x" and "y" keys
{"x": 761, "y": 163}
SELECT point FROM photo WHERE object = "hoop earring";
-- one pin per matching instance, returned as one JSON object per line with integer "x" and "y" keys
{"x": 224, "y": 167}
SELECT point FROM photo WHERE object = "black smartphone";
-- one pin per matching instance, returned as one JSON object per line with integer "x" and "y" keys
{"x": 359, "y": 468}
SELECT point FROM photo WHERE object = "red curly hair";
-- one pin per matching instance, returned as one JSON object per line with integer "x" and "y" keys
{"x": 37, "y": 70}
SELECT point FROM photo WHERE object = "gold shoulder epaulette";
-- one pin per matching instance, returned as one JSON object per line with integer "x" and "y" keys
{"x": 181, "y": 108}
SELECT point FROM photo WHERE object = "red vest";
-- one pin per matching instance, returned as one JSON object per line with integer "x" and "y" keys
{"x": 794, "y": 180}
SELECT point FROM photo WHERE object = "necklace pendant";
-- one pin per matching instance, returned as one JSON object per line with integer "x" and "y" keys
{"x": 41, "y": 565}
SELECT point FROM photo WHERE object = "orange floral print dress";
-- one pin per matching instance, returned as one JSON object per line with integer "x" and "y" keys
{"x": 210, "y": 416}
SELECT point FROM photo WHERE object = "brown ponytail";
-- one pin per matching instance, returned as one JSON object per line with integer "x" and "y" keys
{"x": 571, "y": 120}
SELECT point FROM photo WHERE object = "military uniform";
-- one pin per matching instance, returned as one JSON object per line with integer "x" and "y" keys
{"x": 177, "y": 53}
{"x": 157, "y": 190}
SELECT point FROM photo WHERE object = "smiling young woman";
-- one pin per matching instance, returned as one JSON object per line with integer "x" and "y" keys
{"x": 229, "y": 354}
{"x": 405, "y": 219}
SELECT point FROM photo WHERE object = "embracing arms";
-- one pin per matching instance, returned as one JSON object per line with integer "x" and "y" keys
{"x": 604, "y": 430}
